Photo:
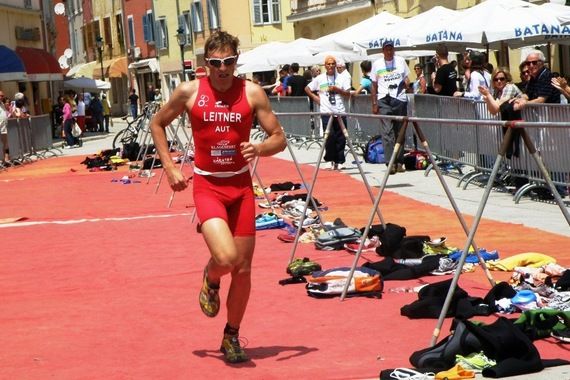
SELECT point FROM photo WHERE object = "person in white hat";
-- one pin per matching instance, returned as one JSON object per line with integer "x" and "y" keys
{"x": 390, "y": 82}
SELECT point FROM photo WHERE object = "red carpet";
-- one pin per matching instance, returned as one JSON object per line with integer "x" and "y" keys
{"x": 113, "y": 294}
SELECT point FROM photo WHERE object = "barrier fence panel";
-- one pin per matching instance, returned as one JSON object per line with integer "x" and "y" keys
{"x": 476, "y": 145}
{"x": 552, "y": 143}
{"x": 14, "y": 142}
{"x": 41, "y": 132}
{"x": 294, "y": 125}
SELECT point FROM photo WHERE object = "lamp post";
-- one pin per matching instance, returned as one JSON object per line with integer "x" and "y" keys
{"x": 181, "y": 37}
{"x": 99, "y": 42}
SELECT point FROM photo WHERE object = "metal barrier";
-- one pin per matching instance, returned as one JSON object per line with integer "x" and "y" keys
{"x": 30, "y": 138}
{"x": 302, "y": 129}
{"x": 476, "y": 145}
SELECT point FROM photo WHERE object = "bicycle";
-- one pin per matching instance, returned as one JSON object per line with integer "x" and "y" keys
{"x": 130, "y": 134}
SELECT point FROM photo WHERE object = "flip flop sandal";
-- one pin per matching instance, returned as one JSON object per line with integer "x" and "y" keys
{"x": 455, "y": 373}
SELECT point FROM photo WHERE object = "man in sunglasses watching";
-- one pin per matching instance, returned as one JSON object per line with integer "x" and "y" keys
{"x": 539, "y": 88}
{"x": 221, "y": 108}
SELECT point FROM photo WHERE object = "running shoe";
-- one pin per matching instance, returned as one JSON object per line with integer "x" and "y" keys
{"x": 232, "y": 350}
{"x": 369, "y": 245}
{"x": 209, "y": 298}
{"x": 561, "y": 335}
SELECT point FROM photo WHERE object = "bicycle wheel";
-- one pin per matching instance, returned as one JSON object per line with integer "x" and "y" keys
{"x": 123, "y": 137}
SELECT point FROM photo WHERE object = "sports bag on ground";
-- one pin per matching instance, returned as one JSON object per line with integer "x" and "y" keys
{"x": 335, "y": 238}
{"x": 374, "y": 151}
{"x": 330, "y": 283}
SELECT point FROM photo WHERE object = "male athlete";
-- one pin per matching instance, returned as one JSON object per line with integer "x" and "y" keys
{"x": 221, "y": 108}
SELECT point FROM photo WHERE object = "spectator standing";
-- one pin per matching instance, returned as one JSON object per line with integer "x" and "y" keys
{"x": 445, "y": 78}
{"x": 57, "y": 117}
{"x": 4, "y": 115}
{"x": 390, "y": 81}
{"x": 331, "y": 88}
{"x": 501, "y": 99}
{"x": 134, "y": 103}
{"x": 365, "y": 82}
{"x": 96, "y": 108}
{"x": 278, "y": 88}
{"x": 106, "y": 111}
{"x": 19, "y": 109}
{"x": 150, "y": 93}
{"x": 539, "y": 88}
{"x": 419, "y": 86}
{"x": 68, "y": 121}
{"x": 478, "y": 77}
{"x": 341, "y": 70}
{"x": 80, "y": 117}
{"x": 524, "y": 74}
{"x": 296, "y": 83}
{"x": 158, "y": 96}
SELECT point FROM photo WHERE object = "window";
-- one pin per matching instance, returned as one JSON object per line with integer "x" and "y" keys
{"x": 186, "y": 25}
{"x": 197, "y": 18}
{"x": 161, "y": 34}
{"x": 96, "y": 32}
{"x": 266, "y": 12}
{"x": 148, "y": 27}
{"x": 213, "y": 14}
{"x": 131, "y": 27}
{"x": 108, "y": 39}
{"x": 120, "y": 34}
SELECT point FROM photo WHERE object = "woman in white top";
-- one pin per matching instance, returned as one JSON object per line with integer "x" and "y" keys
{"x": 478, "y": 77}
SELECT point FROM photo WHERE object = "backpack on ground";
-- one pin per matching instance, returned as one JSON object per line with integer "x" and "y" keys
{"x": 374, "y": 151}
{"x": 330, "y": 283}
{"x": 335, "y": 238}
{"x": 303, "y": 267}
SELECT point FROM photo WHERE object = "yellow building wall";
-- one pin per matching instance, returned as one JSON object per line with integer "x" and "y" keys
{"x": 236, "y": 19}
{"x": 284, "y": 32}
{"x": 170, "y": 59}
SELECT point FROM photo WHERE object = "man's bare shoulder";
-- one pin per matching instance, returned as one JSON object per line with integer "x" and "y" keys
{"x": 188, "y": 88}
{"x": 254, "y": 92}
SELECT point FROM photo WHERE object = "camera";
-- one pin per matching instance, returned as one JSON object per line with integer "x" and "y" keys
{"x": 332, "y": 99}
{"x": 392, "y": 86}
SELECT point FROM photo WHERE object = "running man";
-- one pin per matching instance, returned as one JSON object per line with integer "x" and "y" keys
{"x": 221, "y": 108}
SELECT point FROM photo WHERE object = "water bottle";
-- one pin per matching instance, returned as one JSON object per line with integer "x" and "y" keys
{"x": 409, "y": 262}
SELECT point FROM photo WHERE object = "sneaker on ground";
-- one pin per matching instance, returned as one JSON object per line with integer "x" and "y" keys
{"x": 308, "y": 222}
{"x": 369, "y": 245}
{"x": 446, "y": 266}
{"x": 233, "y": 353}
{"x": 209, "y": 298}
{"x": 561, "y": 335}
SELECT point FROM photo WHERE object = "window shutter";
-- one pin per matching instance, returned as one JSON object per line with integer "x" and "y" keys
{"x": 158, "y": 36}
{"x": 182, "y": 23}
{"x": 257, "y": 12}
{"x": 165, "y": 34}
{"x": 213, "y": 14}
{"x": 146, "y": 32}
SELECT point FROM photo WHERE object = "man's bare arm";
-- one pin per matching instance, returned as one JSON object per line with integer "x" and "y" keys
{"x": 275, "y": 142}
{"x": 175, "y": 106}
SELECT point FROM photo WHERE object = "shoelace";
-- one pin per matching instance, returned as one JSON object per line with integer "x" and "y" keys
{"x": 238, "y": 342}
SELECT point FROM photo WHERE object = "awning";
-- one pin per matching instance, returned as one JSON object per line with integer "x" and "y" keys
{"x": 112, "y": 68}
{"x": 40, "y": 65}
{"x": 145, "y": 66}
{"x": 11, "y": 66}
{"x": 82, "y": 70}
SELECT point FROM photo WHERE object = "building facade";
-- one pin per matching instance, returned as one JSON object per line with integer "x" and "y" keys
{"x": 26, "y": 32}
